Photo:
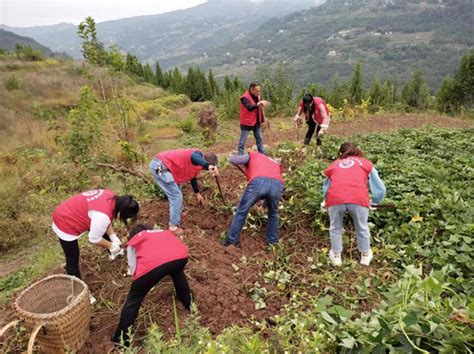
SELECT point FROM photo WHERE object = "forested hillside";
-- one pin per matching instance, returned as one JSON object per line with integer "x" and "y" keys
{"x": 172, "y": 37}
{"x": 391, "y": 38}
{"x": 9, "y": 41}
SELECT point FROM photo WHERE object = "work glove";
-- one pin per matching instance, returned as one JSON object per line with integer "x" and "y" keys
{"x": 297, "y": 119}
{"x": 323, "y": 206}
{"x": 115, "y": 251}
{"x": 115, "y": 239}
{"x": 214, "y": 170}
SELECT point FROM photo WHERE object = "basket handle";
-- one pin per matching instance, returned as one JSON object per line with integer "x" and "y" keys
{"x": 31, "y": 342}
{"x": 8, "y": 326}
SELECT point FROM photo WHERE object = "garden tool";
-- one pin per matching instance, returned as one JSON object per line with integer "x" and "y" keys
{"x": 220, "y": 189}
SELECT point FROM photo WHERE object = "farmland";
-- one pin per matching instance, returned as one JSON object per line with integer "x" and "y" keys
{"x": 416, "y": 295}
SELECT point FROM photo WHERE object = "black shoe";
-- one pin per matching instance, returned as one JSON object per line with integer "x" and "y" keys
{"x": 226, "y": 243}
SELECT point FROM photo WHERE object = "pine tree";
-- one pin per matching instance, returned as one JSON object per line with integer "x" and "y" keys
{"x": 147, "y": 73}
{"x": 376, "y": 96}
{"x": 228, "y": 85}
{"x": 415, "y": 93}
{"x": 337, "y": 94}
{"x": 213, "y": 87}
{"x": 176, "y": 83}
{"x": 166, "y": 80}
{"x": 158, "y": 75}
{"x": 356, "y": 92}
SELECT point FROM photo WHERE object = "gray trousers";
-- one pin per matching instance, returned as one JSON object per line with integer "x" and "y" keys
{"x": 360, "y": 216}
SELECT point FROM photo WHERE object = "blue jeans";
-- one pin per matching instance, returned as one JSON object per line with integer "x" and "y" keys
{"x": 360, "y": 217}
{"x": 257, "y": 133}
{"x": 268, "y": 189}
{"x": 166, "y": 182}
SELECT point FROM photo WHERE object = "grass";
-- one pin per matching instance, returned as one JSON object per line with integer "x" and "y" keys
{"x": 42, "y": 261}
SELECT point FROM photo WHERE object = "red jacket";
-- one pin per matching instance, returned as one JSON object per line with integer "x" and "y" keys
{"x": 71, "y": 215}
{"x": 180, "y": 165}
{"x": 349, "y": 178}
{"x": 318, "y": 117}
{"x": 154, "y": 248}
{"x": 247, "y": 117}
{"x": 261, "y": 165}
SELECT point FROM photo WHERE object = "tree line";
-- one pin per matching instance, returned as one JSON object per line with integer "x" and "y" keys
{"x": 454, "y": 95}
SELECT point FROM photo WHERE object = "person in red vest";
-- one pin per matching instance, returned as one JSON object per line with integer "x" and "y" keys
{"x": 317, "y": 118}
{"x": 265, "y": 182}
{"x": 251, "y": 117}
{"x": 345, "y": 190}
{"x": 152, "y": 255}
{"x": 175, "y": 167}
{"x": 93, "y": 212}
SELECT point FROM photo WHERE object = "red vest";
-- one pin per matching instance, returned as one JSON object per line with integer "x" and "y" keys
{"x": 349, "y": 178}
{"x": 247, "y": 117}
{"x": 154, "y": 248}
{"x": 318, "y": 118}
{"x": 71, "y": 215}
{"x": 180, "y": 165}
{"x": 262, "y": 166}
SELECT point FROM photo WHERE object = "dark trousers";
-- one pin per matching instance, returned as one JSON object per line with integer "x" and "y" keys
{"x": 141, "y": 287}
{"x": 71, "y": 251}
{"x": 312, "y": 126}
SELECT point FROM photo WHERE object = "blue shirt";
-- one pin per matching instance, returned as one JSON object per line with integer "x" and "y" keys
{"x": 197, "y": 159}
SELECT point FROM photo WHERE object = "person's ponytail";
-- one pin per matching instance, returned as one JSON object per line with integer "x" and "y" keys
{"x": 350, "y": 149}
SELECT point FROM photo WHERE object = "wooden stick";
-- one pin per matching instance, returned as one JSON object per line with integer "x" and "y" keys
{"x": 383, "y": 206}
{"x": 240, "y": 168}
{"x": 220, "y": 189}
{"x": 124, "y": 170}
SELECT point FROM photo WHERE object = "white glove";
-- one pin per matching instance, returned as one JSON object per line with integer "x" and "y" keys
{"x": 297, "y": 118}
{"x": 323, "y": 205}
{"x": 322, "y": 131}
{"x": 115, "y": 251}
{"x": 115, "y": 239}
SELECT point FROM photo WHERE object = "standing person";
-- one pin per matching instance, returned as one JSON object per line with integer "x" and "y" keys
{"x": 317, "y": 118}
{"x": 265, "y": 182}
{"x": 152, "y": 255}
{"x": 251, "y": 117}
{"x": 345, "y": 190}
{"x": 174, "y": 167}
{"x": 91, "y": 211}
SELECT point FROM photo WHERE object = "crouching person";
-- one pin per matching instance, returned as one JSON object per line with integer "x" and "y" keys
{"x": 93, "y": 212}
{"x": 265, "y": 182}
{"x": 345, "y": 190}
{"x": 152, "y": 255}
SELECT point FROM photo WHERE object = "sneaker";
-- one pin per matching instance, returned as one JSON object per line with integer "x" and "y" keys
{"x": 226, "y": 243}
{"x": 335, "y": 258}
{"x": 366, "y": 257}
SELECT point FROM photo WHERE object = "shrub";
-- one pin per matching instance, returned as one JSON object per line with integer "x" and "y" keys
{"x": 12, "y": 83}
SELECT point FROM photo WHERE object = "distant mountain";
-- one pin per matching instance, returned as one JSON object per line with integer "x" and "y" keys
{"x": 9, "y": 40}
{"x": 390, "y": 37}
{"x": 177, "y": 36}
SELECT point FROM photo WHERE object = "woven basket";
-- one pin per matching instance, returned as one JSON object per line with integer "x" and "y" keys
{"x": 57, "y": 311}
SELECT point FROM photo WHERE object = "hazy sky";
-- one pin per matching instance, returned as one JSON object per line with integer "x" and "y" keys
{"x": 27, "y": 13}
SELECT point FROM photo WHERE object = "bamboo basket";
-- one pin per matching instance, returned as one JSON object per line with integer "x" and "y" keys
{"x": 57, "y": 311}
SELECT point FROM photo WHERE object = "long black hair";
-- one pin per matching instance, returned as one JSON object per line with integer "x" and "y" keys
{"x": 127, "y": 207}
{"x": 308, "y": 100}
